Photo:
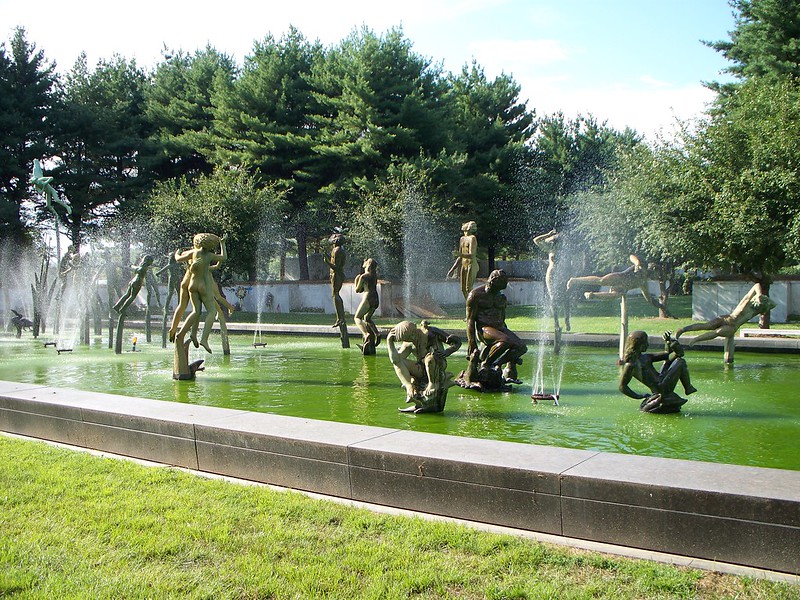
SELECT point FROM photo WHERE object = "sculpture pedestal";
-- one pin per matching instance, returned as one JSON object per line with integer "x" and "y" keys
{"x": 182, "y": 369}
{"x": 658, "y": 404}
{"x": 432, "y": 403}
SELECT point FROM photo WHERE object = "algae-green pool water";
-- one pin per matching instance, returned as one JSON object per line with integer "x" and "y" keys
{"x": 747, "y": 414}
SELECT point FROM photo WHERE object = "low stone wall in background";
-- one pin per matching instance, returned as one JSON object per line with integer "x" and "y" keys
{"x": 713, "y": 298}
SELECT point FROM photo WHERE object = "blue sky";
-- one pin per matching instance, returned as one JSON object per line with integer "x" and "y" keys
{"x": 637, "y": 63}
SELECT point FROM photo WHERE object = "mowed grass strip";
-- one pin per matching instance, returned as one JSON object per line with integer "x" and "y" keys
{"x": 75, "y": 525}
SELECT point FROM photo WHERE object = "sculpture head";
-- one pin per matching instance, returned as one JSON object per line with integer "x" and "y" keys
{"x": 146, "y": 259}
{"x": 206, "y": 241}
{"x": 370, "y": 265}
{"x": 337, "y": 239}
{"x": 762, "y": 304}
{"x": 469, "y": 228}
{"x": 498, "y": 280}
{"x": 635, "y": 345}
{"x": 408, "y": 332}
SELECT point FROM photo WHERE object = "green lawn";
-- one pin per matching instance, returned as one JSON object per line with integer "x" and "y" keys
{"x": 74, "y": 525}
{"x": 589, "y": 317}
{"x": 595, "y": 316}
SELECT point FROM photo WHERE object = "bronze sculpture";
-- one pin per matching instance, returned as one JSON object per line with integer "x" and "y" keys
{"x": 20, "y": 322}
{"x": 132, "y": 291}
{"x": 555, "y": 280}
{"x": 336, "y": 264}
{"x": 638, "y": 364}
{"x": 198, "y": 284}
{"x": 135, "y": 284}
{"x": 425, "y": 377}
{"x": 466, "y": 265}
{"x": 620, "y": 282}
{"x": 42, "y": 184}
{"x": 173, "y": 270}
{"x": 753, "y": 303}
{"x": 367, "y": 283}
{"x": 491, "y": 346}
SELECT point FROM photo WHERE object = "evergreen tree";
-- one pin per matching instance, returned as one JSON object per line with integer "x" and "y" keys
{"x": 101, "y": 143}
{"x": 262, "y": 122}
{"x": 765, "y": 41}
{"x": 27, "y": 83}
{"x": 178, "y": 106}
{"x": 490, "y": 129}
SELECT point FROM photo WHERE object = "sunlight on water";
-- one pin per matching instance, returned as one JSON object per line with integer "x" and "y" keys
{"x": 748, "y": 414}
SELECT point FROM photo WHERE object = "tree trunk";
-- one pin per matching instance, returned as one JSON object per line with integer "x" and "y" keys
{"x": 491, "y": 252}
{"x": 302, "y": 253}
{"x": 663, "y": 296}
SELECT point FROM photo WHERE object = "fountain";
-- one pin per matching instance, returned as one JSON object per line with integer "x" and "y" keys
{"x": 424, "y": 256}
{"x": 756, "y": 401}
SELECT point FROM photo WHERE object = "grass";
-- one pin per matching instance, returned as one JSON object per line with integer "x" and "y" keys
{"x": 594, "y": 316}
{"x": 588, "y": 317}
{"x": 74, "y": 525}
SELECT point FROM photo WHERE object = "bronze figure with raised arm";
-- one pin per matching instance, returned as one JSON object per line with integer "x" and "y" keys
{"x": 486, "y": 326}
{"x": 638, "y": 364}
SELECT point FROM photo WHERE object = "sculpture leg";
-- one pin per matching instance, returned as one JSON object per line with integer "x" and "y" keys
{"x": 513, "y": 359}
{"x": 710, "y": 335}
{"x": 183, "y": 302}
{"x": 676, "y": 371}
{"x": 211, "y": 315}
{"x": 167, "y": 302}
{"x": 730, "y": 346}
{"x": 191, "y": 321}
{"x": 402, "y": 369}
{"x": 338, "y": 305}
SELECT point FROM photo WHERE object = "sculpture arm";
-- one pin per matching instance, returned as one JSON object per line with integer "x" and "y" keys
{"x": 624, "y": 381}
{"x": 184, "y": 256}
{"x": 546, "y": 240}
{"x": 454, "y": 343}
{"x": 223, "y": 255}
{"x": 453, "y": 272}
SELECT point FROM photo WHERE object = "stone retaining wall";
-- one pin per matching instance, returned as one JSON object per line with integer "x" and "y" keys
{"x": 742, "y": 515}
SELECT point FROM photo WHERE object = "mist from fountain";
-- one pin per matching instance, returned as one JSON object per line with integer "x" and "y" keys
{"x": 426, "y": 247}
{"x": 270, "y": 238}
{"x": 16, "y": 290}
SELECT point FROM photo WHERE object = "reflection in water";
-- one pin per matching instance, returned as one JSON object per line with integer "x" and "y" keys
{"x": 748, "y": 414}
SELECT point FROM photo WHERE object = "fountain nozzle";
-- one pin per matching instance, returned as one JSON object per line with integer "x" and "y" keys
{"x": 536, "y": 396}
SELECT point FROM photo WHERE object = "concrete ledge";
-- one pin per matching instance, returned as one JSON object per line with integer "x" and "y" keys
{"x": 742, "y": 515}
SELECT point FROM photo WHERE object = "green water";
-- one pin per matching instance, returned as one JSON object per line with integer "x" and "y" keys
{"x": 748, "y": 414}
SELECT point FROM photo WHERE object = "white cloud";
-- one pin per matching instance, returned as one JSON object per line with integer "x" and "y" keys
{"x": 518, "y": 55}
{"x": 649, "y": 108}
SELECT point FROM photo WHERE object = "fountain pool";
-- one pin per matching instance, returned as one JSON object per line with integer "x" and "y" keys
{"x": 748, "y": 414}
